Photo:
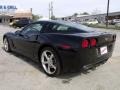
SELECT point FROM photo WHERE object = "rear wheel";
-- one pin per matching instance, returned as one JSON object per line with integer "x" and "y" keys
{"x": 6, "y": 45}
{"x": 50, "y": 62}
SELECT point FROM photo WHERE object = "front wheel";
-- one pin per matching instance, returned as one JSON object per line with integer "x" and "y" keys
{"x": 50, "y": 62}
{"x": 6, "y": 45}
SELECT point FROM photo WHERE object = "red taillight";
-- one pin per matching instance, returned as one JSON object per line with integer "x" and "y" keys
{"x": 65, "y": 46}
{"x": 85, "y": 43}
{"x": 93, "y": 42}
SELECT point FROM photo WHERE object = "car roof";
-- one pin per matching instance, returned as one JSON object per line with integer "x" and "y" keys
{"x": 54, "y": 21}
{"x": 68, "y": 23}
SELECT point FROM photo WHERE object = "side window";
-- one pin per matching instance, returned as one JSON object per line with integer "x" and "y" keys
{"x": 37, "y": 27}
{"x": 32, "y": 28}
{"x": 25, "y": 30}
{"x": 62, "y": 28}
{"x": 57, "y": 28}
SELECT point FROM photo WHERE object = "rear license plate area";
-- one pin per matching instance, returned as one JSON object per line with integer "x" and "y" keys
{"x": 103, "y": 50}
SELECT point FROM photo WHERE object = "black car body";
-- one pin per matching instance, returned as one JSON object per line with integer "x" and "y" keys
{"x": 75, "y": 45}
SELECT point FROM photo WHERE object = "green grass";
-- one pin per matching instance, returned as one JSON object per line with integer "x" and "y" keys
{"x": 104, "y": 26}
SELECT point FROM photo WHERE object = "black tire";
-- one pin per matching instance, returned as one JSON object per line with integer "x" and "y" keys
{"x": 105, "y": 61}
{"x": 57, "y": 60}
{"x": 8, "y": 49}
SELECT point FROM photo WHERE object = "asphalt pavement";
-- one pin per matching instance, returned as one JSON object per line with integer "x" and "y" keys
{"x": 20, "y": 73}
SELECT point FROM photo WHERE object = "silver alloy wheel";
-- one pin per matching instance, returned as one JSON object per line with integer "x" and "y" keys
{"x": 5, "y": 44}
{"x": 48, "y": 62}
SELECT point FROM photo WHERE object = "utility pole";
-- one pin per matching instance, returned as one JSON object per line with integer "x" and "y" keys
{"x": 108, "y": 3}
{"x": 50, "y": 10}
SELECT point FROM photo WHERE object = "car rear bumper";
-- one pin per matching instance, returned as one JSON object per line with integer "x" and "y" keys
{"x": 72, "y": 61}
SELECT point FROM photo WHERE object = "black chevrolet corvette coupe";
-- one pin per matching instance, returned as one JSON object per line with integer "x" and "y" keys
{"x": 61, "y": 46}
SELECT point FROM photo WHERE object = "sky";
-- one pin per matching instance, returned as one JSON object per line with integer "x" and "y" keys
{"x": 64, "y": 7}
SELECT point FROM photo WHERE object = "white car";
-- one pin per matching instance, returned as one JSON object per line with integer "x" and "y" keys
{"x": 115, "y": 21}
{"x": 92, "y": 22}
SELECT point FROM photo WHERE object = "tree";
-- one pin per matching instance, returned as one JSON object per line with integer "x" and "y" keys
{"x": 75, "y": 14}
{"x": 36, "y": 17}
{"x": 85, "y": 13}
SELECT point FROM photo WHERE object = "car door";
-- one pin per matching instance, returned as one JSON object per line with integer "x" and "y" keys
{"x": 25, "y": 42}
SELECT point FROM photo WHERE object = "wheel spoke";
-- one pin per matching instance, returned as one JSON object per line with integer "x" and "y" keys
{"x": 45, "y": 62}
{"x": 51, "y": 56}
{"x": 49, "y": 69}
{"x": 46, "y": 56}
{"x": 53, "y": 66}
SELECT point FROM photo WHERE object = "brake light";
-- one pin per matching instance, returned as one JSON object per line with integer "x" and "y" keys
{"x": 93, "y": 42}
{"x": 85, "y": 43}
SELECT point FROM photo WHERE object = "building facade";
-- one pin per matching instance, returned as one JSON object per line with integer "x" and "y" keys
{"x": 100, "y": 17}
{"x": 8, "y": 13}
{"x": 5, "y": 19}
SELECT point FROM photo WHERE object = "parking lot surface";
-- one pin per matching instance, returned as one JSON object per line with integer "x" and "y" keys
{"x": 20, "y": 73}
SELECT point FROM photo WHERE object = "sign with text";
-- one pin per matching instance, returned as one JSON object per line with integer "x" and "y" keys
{"x": 7, "y": 8}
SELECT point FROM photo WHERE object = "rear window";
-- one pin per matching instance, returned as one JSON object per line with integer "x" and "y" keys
{"x": 60, "y": 28}
{"x": 66, "y": 28}
{"x": 77, "y": 26}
